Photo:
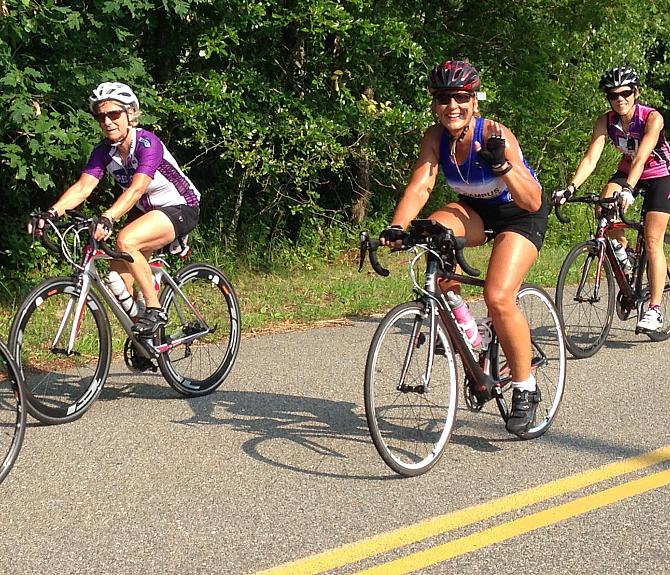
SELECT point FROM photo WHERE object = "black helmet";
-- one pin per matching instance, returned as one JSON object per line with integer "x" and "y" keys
{"x": 617, "y": 77}
{"x": 454, "y": 75}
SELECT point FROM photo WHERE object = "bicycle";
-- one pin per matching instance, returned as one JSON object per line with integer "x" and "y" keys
{"x": 12, "y": 411}
{"x": 61, "y": 334}
{"x": 585, "y": 291}
{"x": 411, "y": 383}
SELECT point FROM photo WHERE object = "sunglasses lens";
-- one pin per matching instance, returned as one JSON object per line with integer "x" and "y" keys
{"x": 458, "y": 97}
{"x": 615, "y": 95}
{"x": 113, "y": 115}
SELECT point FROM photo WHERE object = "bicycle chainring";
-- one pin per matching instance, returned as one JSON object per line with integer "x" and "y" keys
{"x": 624, "y": 306}
{"x": 135, "y": 361}
{"x": 471, "y": 401}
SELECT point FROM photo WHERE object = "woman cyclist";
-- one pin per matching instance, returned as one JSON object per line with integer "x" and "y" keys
{"x": 160, "y": 201}
{"x": 482, "y": 162}
{"x": 636, "y": 131}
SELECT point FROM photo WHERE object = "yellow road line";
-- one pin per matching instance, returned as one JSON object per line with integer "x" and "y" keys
{"x": 416, "y": 561}
{"x": 384, "y": 542}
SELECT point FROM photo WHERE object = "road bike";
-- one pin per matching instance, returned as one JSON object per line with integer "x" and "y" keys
{"x": 411, "y": 383}
{"x": 591, "y": 274}
{"x": 61, "y": 334}
{"x": 12, "y": 411}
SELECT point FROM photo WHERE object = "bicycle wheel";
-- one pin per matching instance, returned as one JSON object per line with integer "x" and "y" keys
{"x": 201, "y": 366}
{"x": 664, "y": 332}
{"x": 586, "y": 312}
{"x": 548, "y": 355}
{"x": 410, "y": 424}
{"x": 12, "y": 412}
{"x": 60, "y": 386}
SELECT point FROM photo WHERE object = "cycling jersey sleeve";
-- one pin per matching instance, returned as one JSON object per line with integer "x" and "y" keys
{"x": 97, "y": 163}
{"x": 149, "y": 154}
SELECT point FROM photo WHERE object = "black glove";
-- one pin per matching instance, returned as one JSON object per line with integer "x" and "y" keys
{"x": 493, "y": 153}
{"x": 105, "y": 223}
{"x": 38, "y": 220}
{"x": 392, "y": 234}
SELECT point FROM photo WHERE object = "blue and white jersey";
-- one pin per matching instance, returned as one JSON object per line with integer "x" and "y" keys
{"x": 474, "y": 178}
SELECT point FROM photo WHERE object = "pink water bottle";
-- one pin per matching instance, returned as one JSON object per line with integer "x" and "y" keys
{"x": 464, "y": 318}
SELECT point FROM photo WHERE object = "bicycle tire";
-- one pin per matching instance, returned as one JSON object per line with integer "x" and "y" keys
{"x": 200, "y": 367}
{"x": 12, "y": 412}
{"x": 549, "y": 361}
{"x": 409, "y": 429}
{"x": 587, "y": 322}
{"x": 59, "y": 387}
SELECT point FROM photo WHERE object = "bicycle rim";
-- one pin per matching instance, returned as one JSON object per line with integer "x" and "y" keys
{"x": 60, "y": 386}
{"x": 12, "y": 412}
{"x": 664, "y": 332}
{"x": 200, "y": 367}
{"x": 548, "y": 353}
{"x": 410, "y": 429}
{"x": 586, "y": 313}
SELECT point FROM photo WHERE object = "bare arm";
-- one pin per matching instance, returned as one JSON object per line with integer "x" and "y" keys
{"x": 422, "y": 179}
{"x": 123, "y": 204}
{"x": 76, "y": 193}
{"x": 593, "y": 152}
{"x": 525, "y": 189}
{"x": 652, "y": 131}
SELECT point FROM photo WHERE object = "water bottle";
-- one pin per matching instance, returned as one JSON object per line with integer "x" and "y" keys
{"x": 464, "y": 318}
{"x": 118, "y": 287}
{"x": 622, "y": 256}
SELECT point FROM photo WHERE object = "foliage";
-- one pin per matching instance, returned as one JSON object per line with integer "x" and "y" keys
{"x": 297, "y": 119}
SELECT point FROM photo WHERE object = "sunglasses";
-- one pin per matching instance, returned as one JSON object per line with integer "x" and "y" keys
{"x": 113, "y": 115}
{"x": 458, "y": 97}
{"x": 611, "y": 96}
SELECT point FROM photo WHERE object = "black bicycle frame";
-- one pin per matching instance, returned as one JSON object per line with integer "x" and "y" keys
{"x": 436, "y": 300}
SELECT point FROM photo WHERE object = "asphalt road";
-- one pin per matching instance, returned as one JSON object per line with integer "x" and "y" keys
{"x": 278, "y": 467}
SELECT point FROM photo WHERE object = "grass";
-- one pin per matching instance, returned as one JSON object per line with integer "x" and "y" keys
{"x": 320, "y": 292}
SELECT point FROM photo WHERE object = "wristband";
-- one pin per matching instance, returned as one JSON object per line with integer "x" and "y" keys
{"x": 502, "y": 169}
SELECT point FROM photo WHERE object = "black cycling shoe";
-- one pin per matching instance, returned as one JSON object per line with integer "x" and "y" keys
{"x": 150, "y": 321}
{"x": 524, "y": 405}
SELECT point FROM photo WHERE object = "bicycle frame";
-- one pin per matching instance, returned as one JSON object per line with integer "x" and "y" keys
{"x": 437, "y": 304}
{"x": 631, "y": 291}
{"x": 89, "y": 278}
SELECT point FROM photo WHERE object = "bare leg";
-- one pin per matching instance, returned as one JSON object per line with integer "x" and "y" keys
{"x": 512, "y": 257}
{"x": 655, "y": 224}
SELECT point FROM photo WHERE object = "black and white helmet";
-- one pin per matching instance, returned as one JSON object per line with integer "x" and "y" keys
{"x": 113, "y": 91}
{"x": 617, "y": 77}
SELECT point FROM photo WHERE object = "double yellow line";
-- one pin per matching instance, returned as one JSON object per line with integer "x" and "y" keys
{"x": 366, "y": 548}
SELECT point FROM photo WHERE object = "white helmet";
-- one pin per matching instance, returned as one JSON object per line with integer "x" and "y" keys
{"x": 113, "y": 91}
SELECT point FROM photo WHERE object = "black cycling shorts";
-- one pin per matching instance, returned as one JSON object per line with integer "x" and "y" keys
{"x": 184, "y": 218}
{"x": 656, "y": 192}
{"x": 511, "y": 218}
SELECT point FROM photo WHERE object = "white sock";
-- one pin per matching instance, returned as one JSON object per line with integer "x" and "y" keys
{"x": 529, "y": 385}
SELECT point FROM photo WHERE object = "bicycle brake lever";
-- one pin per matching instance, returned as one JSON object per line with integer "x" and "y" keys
{"x": 364, "y": 242}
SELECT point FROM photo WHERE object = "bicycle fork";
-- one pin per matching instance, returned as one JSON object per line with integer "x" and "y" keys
{"x": 77, "y": 316}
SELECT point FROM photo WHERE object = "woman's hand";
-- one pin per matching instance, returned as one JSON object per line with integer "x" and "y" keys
{"x": 103, "y": 228}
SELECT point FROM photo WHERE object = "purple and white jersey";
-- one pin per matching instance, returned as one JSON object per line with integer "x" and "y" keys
{"x": 169, "y": 186}
{"x": 658, "y": 162}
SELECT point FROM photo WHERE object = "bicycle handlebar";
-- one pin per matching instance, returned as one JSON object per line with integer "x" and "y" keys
{"x": 81, "y": 222}
{"x": 592, "y": 199}
{"x": 428, "y": 233}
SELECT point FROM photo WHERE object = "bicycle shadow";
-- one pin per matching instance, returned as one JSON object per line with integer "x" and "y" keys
{"x": 323, "y": 436}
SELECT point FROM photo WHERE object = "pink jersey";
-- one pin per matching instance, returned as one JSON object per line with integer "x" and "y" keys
{"x": 658, "y": 163}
